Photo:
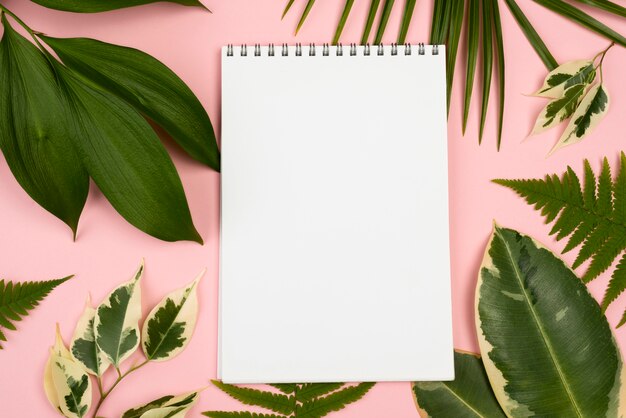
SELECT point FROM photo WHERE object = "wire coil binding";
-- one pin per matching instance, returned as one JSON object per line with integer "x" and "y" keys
{"x": 353, "y": 50}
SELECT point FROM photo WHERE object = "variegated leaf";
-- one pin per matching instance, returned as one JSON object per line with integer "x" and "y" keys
{"x": 565, "y": 76}
{"x": 73, "y": 387}
{"x": 58, "y": 350}
{"x": 168, "y": 327}
{"x": 116, "y": 324}
{"x": 84, "y": 348}
{"x": 167, "y": 406}
{"x": 589, "y": 113}
{"x": 558, "y": 110}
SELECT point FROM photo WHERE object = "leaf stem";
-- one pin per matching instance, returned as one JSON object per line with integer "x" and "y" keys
{"x": 120, "y": 377}
{"x": 602, "y": 54}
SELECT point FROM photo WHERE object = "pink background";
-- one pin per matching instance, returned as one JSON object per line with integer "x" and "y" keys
{"x": 36, "y": 246}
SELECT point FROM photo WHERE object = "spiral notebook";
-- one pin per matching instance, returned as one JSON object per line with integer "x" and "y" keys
{"x": 334, "y": 229}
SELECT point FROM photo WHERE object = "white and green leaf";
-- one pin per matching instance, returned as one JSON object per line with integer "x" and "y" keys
{"x": 589, "y": 113}
{"x": 84, "y": 348}
{"x": 57, "y": 350}
{"x": 564, "y": 76}
{"x": 557, "y": 110}
{"x": 169, "y": 326}
{"x": 72, "y": 385}
{"x": 165, "y": 407}
{"x": 116, "y": 324}
{"x": 539, "y": 328}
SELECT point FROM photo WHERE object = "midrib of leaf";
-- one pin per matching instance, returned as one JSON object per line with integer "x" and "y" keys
{"x": 518, "y": 276}
{"x": 179, "y": 308}
{"x": 463, "y": 401}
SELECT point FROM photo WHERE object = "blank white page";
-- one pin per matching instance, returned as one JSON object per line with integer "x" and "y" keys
{"x": 334, "y": 240}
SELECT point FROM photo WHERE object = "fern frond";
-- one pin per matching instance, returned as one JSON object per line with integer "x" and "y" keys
{"x": 310, "y": 391}
{"x": 17, "y": 299}
{"x": 623, "y": 320}
{"x": 275, "y": 402}
{"x": 592, "y": 216}
{"x": 286, "y": 388}
{"x": 617, "y": 284}
{"x": 336, "y": 401}
{"x": 243, "y": 414}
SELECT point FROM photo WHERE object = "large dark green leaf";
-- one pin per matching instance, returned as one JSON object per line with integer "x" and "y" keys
{"x": 546, "y": 346}
{"x": 33, "y": 136}
{"x": 126, "y": 160}
{"x": 93, "y": 6}
{"x": 467, "y": 396}
{"x": 149, "y": 86}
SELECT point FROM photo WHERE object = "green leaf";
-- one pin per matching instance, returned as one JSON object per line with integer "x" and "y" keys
{"x": 116, "y": 325}
{"x": 531, "y": 34}
{"x": 487, "y": 35}
{"x": 33, "y": 135}
{"x": 617, "y": 284}
{"x": 440, "y": 24}
{"x": 242, "y": 414}
{"x": 309, "y": 391}
{"x": 469, "y": 395}
{"x": 538, "y": 327}
{"x": 566, "y": 75}
{"x": 384, "y": 19}
{"x": 84, "y": 349}
{"x": 275, "y": 402}
{"x": 149, "y": 86}
{"x": 17, "y": 299}
{"x": 452, "y": 46}
{"x": 73, "y": 387}
{"x": 305, "y": 14}
{"x": 473, "y": 30}
{"x": 590, "y": 112}
{"x": 583, "y": 19}
{"x": 371, "y": 15}
{"x": 336, "y": 401}
{"x": 287, "y": 7}
{"x": 126, "y": 160}
{"x": 409, "y": 8}
{"x": 286, "y": 388}
{"x": 342, "y": 21}
{"x": 557, "y": 110}
{"x": 623, "y": 320}
{"x": 497, "y": 25}
{"x": 164, "y": 406}
{"x": 606, "y": 5}
{"x": 94, "y": 6}
{"x": 169, "y": 326}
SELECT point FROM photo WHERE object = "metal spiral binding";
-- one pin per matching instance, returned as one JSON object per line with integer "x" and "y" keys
{"x": 339, "y": 50}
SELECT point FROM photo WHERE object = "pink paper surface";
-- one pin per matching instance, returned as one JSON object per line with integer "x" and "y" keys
{"x": 36, "y": 246}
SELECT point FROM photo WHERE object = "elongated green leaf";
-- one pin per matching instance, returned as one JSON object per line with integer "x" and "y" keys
{"x": 473, "y": 30}
{"x": 169, "y": 326}
{"x": 72, "y": 385}
{"x": 17, "y": 299}
{"x": 163, "y": 406}
{"x": 582, "y": 18}
{"x": 336, "y": 401}
{"x": 557, "y": 110}
{"x": 305, "y": 14}
{"x": 94, "y": 6}
{"x": 564, "y": 76}
{"x": 287, "y": 7}
{"x": 149, "y": 86}
{"x": 607, "y": 5}
{"x": 497, "y": 34}
{"x": 487, "y": 63}
{"x": 57, "y": 350}
{"x": 467, "y": 396}
{"x": 342, "y": 21}
{"x": 437, "y": 29}
{"x": 126, "y": 160}
{"x": 275, "y": 402}
{"x": 84, "y": 349}
{"x": 590, "y": 112}
{"x": 33, "y": 134}
{"x": 538, "y": 327}
{"x": 371, "y": 15}
{"x": 409, "y": 8}
{"x": 457, "y": 11}
{"x": 531, "y": 34}
{"x": 384, "y": 19}
{"x": 116, "y": 325}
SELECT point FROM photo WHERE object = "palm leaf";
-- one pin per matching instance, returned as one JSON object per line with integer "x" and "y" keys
{"x": 384, "y": 19}
{"x": 441, "y": 22}
{"x": 582, "y": 18}
{"x": 342, "y": 21}
{"x": 487, "y": 63}
{"x": 17, "y": 299}
{"x": 305, "y": 14}
{"x": 409, "y": 8}
{"x": 371, "y": 15}
{"x": 454, "y": 34}
{"x": 606, "y": 5}
{"x": 497, "y": 35}
{"x": 287, "y": 8}
{"x": 473, "y": 29}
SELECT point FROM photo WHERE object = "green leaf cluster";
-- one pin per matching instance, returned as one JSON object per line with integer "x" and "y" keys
{"x": 482, "y": 21}
{"x": 86, "y": 115}
{"x": 546, "y": 348}
{"x": 18, "y": 298}
{"x": 592, "y": 214}
{"x": 297, "y": 400}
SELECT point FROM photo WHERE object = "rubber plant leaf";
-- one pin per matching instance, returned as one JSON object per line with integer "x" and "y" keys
{"x": 94, "y": 6}
{"x": 149, "y": 86}
{"x": 469, "y": 395}
{"x": 126, "y": 159}
{"x": 33, "y": 135}
{"x": 83, "y": 347}
{"x": 538, "y": 327}
{"x": 165, "y": 407}
{"x": 116, "y": 325}
{"x": 169, "y": 326}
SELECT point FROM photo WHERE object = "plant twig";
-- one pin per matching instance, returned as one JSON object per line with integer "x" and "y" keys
{"x": 120, "y": 377}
